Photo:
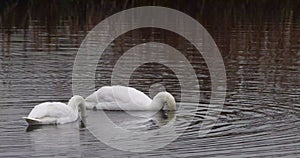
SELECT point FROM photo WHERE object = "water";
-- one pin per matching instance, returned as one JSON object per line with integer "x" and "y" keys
{"x": 260, "y": 117}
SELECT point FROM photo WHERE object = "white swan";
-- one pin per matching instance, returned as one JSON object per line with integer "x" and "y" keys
{"x": 57, "y": 112}
{"x": 127, "y": 98}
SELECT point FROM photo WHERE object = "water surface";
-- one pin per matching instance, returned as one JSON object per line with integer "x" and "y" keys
{"x": 260, "y": 49}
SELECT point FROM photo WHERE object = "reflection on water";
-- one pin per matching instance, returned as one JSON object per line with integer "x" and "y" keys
{"x": 136, "y": 134}
{"x": 47, "y": 139}
{"x": 135, "y": 120}
{"x": 259, "y": 42}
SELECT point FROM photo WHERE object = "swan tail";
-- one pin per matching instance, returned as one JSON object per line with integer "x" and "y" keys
{"x": 32, "y": 121}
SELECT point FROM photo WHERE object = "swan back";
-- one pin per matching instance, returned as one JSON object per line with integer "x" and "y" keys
{"x": 56, "y": 112}
{"x": 127, "y": 98}
{"x": 118, "y": 98}
{"x": 55, "y": 109}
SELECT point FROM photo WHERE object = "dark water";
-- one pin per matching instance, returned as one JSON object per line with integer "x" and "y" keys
{"x": 260, "y": 46}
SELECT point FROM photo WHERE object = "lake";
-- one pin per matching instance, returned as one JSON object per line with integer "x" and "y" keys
{"x": 259, "y": 42}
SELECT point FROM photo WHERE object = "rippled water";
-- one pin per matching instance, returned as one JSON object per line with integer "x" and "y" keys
{"x": 260, "y": 116}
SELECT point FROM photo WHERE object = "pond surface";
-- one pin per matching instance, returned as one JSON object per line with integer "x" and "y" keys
{"x": 260, "y": 116}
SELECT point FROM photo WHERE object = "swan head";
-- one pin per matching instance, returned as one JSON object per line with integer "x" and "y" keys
{"x": 165, "y": 98}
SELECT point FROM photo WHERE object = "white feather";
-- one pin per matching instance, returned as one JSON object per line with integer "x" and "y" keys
{"x": 127, "y": 98}
{"x": 56, "y": 112}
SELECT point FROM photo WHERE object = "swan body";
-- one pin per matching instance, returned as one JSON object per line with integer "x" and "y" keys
{"x": 128, "y": 98}
{"x": 56, "y": 112}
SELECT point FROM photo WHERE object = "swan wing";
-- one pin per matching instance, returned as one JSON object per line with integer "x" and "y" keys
{"x": 51, "y": 110}
{"x": 118, "y": 98}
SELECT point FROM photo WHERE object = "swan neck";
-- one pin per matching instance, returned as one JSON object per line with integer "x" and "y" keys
{"x": 76, "y": 103}
{"x": 82, "y": 109}
{"x": 163, "y": 98}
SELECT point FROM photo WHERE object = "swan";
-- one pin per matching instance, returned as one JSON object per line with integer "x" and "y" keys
{"x": 57, "y": 112}
{"x": 128, "y": 98}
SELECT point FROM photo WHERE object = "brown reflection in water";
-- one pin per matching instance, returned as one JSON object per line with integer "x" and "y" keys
{"x": 49, "y": 20}
{"x": 259, "y": 40}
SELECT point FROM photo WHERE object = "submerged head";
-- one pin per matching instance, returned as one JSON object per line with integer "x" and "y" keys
{"x": 166, "y": 99}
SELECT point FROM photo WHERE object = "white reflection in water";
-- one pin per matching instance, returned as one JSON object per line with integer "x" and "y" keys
{"x": 55, "y": 140}
{"x": 147, "y": 132}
